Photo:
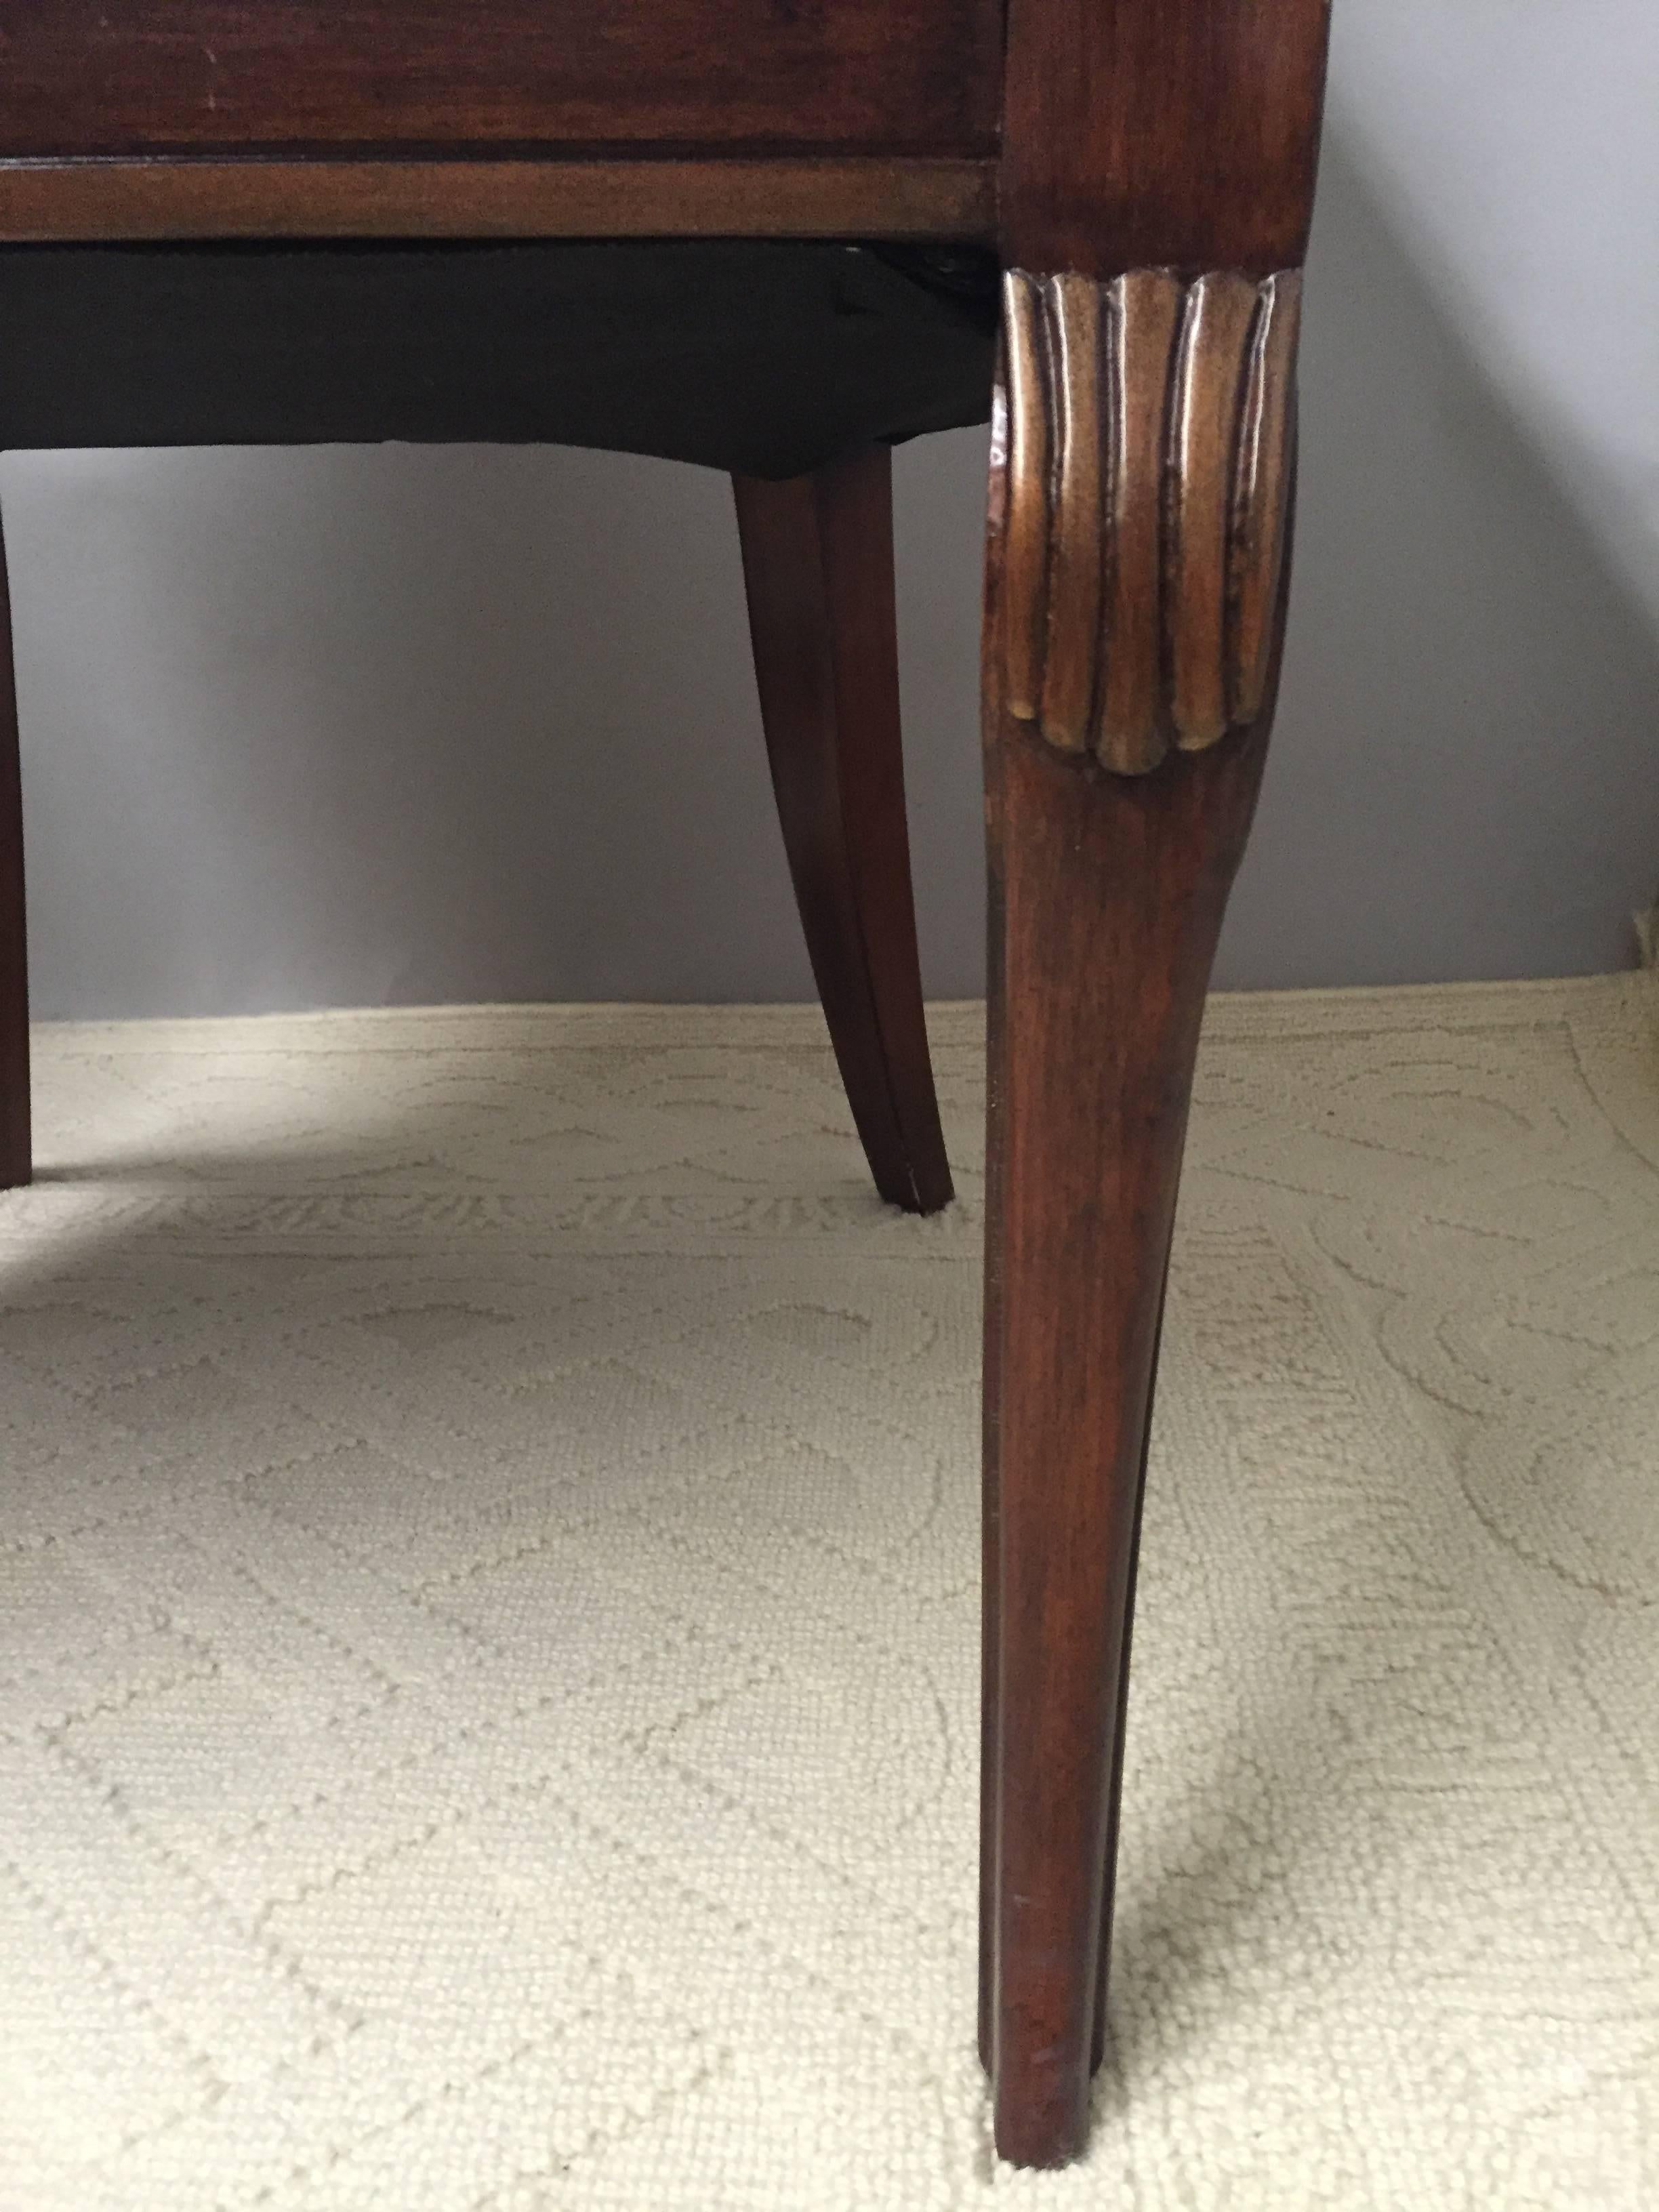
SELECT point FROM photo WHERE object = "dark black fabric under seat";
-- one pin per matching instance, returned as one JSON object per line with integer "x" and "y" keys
{"x": 765, "y": 358}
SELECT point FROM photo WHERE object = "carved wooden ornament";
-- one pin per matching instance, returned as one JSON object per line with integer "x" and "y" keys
{"x": 1147, "y": 446}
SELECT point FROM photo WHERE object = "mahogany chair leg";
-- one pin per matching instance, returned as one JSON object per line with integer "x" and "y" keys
{"x": 1114, "y": 1781}
{"x": 817, "y": 557}
{"x": 15, "y": 1143}
{"x": 1133, "y": 624}
{"x": 988, "y": 1722}
{"x": 1113, "y": 895}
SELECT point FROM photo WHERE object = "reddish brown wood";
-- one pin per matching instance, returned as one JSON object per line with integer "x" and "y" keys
{"x": 1151, "y": 149}
{"x": 1120, "y": 1721}
{"x": 1108, "y": 896}
{"x": 888, "y": 197}
{"x": 1113, "y": 894}
{"x": 817, "y": 556}
{"x": 1138, "y": 138}
{"x": 119, "y": 76}
{"x": 1148, "y": 466}
{"x": 15, "y": 1163}
{"x": 996, "y": 1060}
{"x": 1161, "y": 133}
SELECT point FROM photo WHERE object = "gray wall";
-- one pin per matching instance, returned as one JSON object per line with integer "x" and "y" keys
{"x": 1514, "y": 147}
{"x": 395, "y": 725}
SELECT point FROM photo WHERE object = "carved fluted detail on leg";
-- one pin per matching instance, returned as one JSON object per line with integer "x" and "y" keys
{"x": 1147, "y": 451}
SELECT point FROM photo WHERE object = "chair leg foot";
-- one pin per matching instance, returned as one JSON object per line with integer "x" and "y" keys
{"x": 817, "y": 554}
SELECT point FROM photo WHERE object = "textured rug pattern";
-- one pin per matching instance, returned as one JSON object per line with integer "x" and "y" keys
{"x": 489, "y": 1568}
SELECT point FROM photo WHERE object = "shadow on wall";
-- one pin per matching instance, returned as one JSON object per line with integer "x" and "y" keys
{"x": 1465, "y": 778}
{"x": 400, "y": 725}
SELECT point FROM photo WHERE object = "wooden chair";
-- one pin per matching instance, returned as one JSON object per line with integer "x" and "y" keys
{"x": 1140, "y": 172}
{"x": 793, "y": 365}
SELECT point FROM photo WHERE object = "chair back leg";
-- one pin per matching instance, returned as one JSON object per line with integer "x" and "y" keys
{"x": 817, "y": 559}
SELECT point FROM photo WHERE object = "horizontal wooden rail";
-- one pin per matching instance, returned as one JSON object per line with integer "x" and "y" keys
{"x": 264, "y": 198}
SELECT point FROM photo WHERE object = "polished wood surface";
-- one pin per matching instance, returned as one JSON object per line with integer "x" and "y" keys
{"x": 1145, "y": 168}
{"x": 817, "y": 554}
{"x": 14, "y": 936}
{"x": 119, "y": 76}
{"x": 1148, "y": 463}
{"x": 1111, "y": 891}
{"x": 1156, "y": 188}
{"x": 885, "y": 196}
{"x": 1121, "y": 1717}
{"x": 1153, "y": 134}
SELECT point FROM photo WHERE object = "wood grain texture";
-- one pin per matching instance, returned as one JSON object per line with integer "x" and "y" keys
{"x": 1000, "y": 646}
{"x": 1261, "y": 499}
{"x": 1113, "y": 895}
{"x": 1071, "y": 610}
{"x": 1153, "y": 161}
{"x": 1120, "y": 1719}
{"x": 1161, "y": 133}
{"x": 1108, "y": 893}
{"x": 647, "y": 198}
{"x": 15, "y": 1138}
{"x": 817, "y": 557}
{"x": 1205, "y": 423}
{"x": 1022, "y": 424}
{"x": 122, "y": 77}
{"x": 1145, "y": 319}
{"x": 1147, "y": 459}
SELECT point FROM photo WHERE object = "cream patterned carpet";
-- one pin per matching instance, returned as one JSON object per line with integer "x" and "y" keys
{"x": 490, "y": 1598}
